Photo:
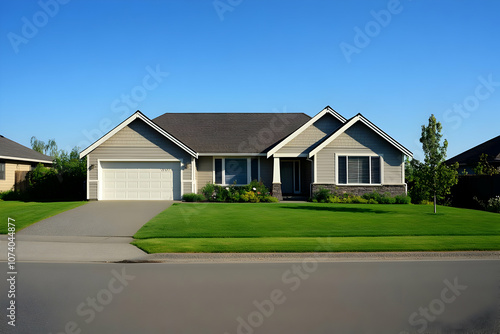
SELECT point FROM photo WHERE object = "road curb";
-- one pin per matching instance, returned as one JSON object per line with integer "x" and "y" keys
{"x": 319, "y": 257}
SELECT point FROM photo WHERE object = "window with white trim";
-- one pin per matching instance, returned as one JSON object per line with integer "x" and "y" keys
{"x": 240, "y": 171}
{"x": 359, "y": 170}
{"x": 2, "y": 170}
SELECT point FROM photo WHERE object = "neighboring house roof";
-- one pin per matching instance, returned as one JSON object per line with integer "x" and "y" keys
{"x": 11, "y": 150}
{"x": 471, "y": 156}
{"x": 223, "y": 133}
{"x": 365, "y": 121}
{"x": 141, "y": 116}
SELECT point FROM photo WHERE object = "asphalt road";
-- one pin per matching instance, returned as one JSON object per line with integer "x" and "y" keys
{"x": 307, "y": 297}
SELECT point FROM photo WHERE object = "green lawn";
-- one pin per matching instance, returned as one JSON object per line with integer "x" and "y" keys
{"x": 308, "y": 227}
{"x": 27, "y": 213}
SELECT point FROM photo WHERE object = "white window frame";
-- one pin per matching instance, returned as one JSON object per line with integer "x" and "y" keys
{"x": 249, "y": 169}
{"x": 370, "y": 155}
{"x": 4, "y": 170}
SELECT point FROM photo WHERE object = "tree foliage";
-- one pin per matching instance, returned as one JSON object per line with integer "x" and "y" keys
{"x": 432, "y": 178}
{"x": 65, "y": 180}
{"x": 483, "y": 167}
{"x": 49, "y": 148}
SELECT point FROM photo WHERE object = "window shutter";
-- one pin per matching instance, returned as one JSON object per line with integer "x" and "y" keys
{"x": 342, "y": 170}
{"x": 218, "y": 171}
{"x": 375, "y": 172}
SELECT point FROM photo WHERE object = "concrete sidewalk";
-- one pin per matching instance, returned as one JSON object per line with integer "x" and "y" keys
{"x": 71, "y": 249}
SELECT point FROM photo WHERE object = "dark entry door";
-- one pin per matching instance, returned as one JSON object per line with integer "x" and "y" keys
{"x": 290, "y": 177}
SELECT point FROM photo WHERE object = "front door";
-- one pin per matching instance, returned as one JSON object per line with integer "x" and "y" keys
{"x": 290, "y": 177}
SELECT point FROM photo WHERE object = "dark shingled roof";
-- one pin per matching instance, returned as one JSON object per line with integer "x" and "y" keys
{"x": 231, "y": 132}
{"x": 16, "y": 151}
{"x": 471, "y": 156}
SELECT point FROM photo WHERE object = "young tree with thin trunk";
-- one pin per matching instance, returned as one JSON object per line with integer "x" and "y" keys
{"x": 433, "y": 174}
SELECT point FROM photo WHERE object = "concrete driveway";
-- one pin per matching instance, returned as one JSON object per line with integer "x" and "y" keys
{"x": 94, "y": 232}
{"x": 99, "y": 219}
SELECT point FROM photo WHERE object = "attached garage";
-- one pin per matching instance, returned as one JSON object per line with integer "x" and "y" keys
{"x": 140, "y": 180}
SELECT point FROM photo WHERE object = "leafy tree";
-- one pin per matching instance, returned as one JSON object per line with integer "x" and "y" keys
{"x": 416, "y": 189}
{"x": 483, "y": 167}
{"x": 433, "y": 178}
{"x": 64, "y": 180}
{"x": 49, "y": 148}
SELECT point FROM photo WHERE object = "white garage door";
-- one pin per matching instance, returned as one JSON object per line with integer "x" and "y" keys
{"x": 140, "y": 180}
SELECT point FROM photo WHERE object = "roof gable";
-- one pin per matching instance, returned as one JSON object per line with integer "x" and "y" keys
{"x": 326, "y": 111}
{"x": 370, "y": 125}
{"x": 133, "y": 117}
{"x": 11, "y": 150}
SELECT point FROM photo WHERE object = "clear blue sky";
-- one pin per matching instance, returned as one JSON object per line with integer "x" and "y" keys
{"x": 65, "y": 70}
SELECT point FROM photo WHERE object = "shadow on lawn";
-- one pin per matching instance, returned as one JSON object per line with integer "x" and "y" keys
{"x": 335, "y": 209}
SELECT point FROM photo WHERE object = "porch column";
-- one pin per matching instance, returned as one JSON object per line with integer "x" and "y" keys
{"x": 276, "y": 191}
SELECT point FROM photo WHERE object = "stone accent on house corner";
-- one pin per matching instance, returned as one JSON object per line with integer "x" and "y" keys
{"x": 276, "y": 191}
{"x": 361, "y": 190}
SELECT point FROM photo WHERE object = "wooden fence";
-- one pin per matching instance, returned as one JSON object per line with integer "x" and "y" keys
{"x": 20, "y": 181}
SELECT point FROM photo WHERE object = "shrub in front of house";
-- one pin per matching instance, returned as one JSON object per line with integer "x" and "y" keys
{"x": 326, "y": 196}
{"x": 494, "y": 204}
{"x": 254, "y": 192}
{"x": 191, "y": 197}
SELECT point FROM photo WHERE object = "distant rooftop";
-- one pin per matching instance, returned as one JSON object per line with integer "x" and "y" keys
{"x": 11, "y": 150}
{"x": 471, "y": 156}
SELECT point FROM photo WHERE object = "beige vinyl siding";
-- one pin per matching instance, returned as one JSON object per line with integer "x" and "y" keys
{"x": 393, "y": 172}
{"x": 308, "y": 138}
{"x": 266, "y": 171}
{"x": 204, "y": 173}
{"x": 187, "y": 177}
{"x": 92, "y": 189}
{"x": 10, "y": 174}
{"x": 359, "y": 140}
{"x": 325, "y": 166}
{"x": 136, "y": 142}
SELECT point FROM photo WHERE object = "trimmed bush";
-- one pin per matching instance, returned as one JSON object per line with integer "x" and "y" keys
{"x": 325, "y": 196}
{"x": 11, "y": 195}
{"x": 322, "y": 195}
{"x": 402, "y": 199}
{"x": 191, "y": 197}
{"x": 254, "y": 192}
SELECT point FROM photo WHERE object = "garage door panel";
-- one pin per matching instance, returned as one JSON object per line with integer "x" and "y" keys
{"x": 141, "y": 180}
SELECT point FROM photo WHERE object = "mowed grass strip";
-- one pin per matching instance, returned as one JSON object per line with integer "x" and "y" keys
{"x": 290, "y": 220}
{"x": 338, "y": 244}
{"x": 27, "y": 213}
